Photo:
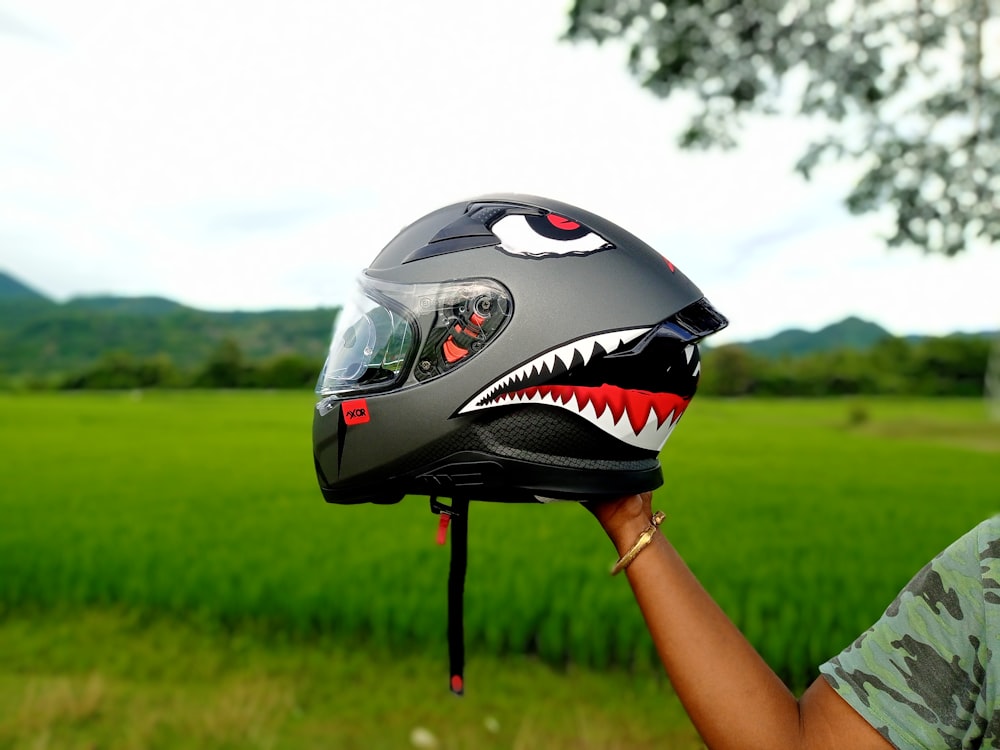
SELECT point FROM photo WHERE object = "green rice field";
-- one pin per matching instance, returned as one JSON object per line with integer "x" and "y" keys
{"x": 802, "y": 518}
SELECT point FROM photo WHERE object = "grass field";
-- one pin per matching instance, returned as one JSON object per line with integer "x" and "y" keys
{"x": 803, "y": 518}
{"x": 167, "y": 684}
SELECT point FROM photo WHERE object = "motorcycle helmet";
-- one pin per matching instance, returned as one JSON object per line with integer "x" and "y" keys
{"x": 508, "y": 348}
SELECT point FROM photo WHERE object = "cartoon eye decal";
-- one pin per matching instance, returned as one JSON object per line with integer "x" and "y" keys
{"x": 546, "y": 236}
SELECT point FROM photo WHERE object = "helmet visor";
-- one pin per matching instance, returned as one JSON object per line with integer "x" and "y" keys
{"x": 387, "y": 326}
{"x": 371, "y": 343}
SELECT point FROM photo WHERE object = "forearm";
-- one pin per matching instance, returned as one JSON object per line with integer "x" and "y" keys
{"x": 733, "y": 698}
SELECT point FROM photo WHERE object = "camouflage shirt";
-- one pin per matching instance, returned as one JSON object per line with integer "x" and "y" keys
{"x": 924, "y": 674}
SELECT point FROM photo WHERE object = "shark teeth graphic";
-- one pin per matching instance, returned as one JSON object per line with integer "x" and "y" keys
{"x": 639, "y": 418}
{"x": 553, "y": 362}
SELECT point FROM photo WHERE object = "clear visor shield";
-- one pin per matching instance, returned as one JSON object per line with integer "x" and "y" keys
{"x": 369, "y": 346}
{"x": 386, "y": 327}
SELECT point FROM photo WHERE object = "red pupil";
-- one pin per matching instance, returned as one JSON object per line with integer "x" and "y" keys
{"x": 562, "y": 222}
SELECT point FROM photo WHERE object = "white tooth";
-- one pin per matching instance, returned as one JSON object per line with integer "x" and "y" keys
{"x": 586, "y": 351}
{"x": 549, "y": 360}
{"x": 608, "y": 341}
{"x": 611, "y": 341}
{"x": 649, "y": 432}
{"x": 565, "y": 354}
{"x": 689, "y": 352}
{"x": 697, "y": 369}
{"x": 568, "y": 352}
{"x": 604, "y": 423}
{"x": 668, "y": 432}
{"x": 652, "y": 437}
{"x": 492, "y": 390}
{"x": 607, "y": 423}
{"x": 629, "y": 336}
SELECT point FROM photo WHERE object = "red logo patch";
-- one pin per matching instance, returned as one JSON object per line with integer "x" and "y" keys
{"x": 356, "y": 411}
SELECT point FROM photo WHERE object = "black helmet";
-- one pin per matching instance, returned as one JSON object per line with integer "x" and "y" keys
{"x": 509, "y": 348}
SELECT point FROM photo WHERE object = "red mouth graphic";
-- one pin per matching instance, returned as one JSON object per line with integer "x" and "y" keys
{"x": 637, "y": 404}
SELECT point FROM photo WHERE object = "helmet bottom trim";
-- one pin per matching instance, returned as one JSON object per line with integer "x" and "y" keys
{"x": 487, "y": 477}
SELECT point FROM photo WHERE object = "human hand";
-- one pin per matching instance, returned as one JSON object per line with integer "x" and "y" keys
{"x": 623, "y": 518}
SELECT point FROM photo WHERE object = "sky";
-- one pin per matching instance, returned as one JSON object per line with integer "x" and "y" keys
{"x": 258, "y": 155}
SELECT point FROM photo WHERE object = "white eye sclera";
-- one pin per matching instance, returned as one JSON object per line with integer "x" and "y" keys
{"x": 520, "y": 235}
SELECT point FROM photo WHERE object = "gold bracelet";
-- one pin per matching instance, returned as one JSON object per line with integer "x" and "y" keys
{"x": 640, "y": 544}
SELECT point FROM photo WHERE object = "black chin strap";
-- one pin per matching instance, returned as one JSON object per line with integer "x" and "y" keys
{"x": 458, "y": 515}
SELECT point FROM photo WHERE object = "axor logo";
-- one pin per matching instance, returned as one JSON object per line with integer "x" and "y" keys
{"x": 356, "y": 411}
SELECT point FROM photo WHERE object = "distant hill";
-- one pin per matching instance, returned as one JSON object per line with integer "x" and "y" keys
{"x": 125, "y": 305}
{"x": 43, "y": 338}
{"x": 13, "y": 290}
{"x": 850, "y": 333}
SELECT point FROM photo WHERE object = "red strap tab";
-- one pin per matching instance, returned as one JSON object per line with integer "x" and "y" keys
{"x": 442, "y": 536}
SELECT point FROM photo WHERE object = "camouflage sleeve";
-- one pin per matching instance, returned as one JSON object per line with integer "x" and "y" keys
{"x": 919, "y": 675}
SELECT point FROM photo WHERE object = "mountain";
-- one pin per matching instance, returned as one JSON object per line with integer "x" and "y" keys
{"x": 19, "y": 304}
{"x": 850, "y": 333}
{"x": 41, "y": 338}
{"x": 45, "y": 339}
{"x": 13, "y": 290}
{"x": 125, "y": 305}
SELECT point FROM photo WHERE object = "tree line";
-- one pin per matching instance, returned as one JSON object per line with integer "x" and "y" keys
{"x": 226, "y": 367}
{"x": 939, "y": 366}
